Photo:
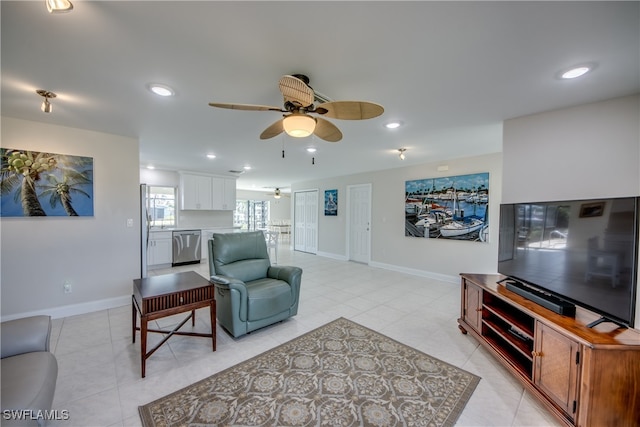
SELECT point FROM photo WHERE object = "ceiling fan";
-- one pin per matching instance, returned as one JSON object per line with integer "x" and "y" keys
{"x": 277, "y": 193}
{"x": 298, "y": 120}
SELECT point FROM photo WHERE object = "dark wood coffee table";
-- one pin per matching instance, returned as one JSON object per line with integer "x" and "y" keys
{"x": 161, "y": 296}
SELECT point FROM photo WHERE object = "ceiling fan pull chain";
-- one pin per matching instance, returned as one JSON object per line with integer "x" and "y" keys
{"x": 313, "y": 160}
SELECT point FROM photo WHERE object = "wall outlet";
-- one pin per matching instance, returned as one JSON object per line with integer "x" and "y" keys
{"x": 67, "y": 287}
{"x": 129, "y": 222}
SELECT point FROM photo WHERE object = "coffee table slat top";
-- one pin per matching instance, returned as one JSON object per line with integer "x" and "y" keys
{"x": 156, "y": 286}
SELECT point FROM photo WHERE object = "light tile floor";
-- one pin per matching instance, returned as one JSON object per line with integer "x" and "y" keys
{"x": 99, "y": 367}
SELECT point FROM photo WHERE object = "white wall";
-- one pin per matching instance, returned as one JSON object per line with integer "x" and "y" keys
{"x": 390, "y": 248}
{"x": 99, "y": 255}
{"x": 583, "y": 152}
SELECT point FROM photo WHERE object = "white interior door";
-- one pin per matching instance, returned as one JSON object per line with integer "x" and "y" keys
{"x": 305, "y": 227}
{"x": 359, "y": 234}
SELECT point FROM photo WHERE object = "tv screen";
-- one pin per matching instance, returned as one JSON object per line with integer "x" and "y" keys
{"x": 584, "y": 251}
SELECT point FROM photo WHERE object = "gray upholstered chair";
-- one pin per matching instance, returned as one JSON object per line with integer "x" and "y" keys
{"x": 250, "y": 292}
{"x": 29, "y": 370}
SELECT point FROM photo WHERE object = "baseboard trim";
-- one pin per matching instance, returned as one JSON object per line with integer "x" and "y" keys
{"x": 74, "y": 309}
{"x": 333, "y": 256}
{"x": 400, "y": 269}
{"x": 416, "y": 272}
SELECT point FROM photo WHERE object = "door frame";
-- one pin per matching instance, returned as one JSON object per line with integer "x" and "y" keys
{"x": 369, "y": 187}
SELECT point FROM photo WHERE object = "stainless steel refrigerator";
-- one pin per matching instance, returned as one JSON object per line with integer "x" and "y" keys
{"x": 145, "y": 224}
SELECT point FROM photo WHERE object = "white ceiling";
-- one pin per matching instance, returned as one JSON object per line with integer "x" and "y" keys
{"x": 450, "y": 71}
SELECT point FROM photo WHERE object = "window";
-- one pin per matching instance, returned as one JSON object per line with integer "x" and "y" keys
{"x": 252, "y": 214}
{"x": 161, "y": 206}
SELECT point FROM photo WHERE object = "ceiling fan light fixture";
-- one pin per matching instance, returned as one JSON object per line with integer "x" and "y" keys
{"x": 401, "y": 151}
{"x": 59, "y": 6}
{"x": 299, "y": 125}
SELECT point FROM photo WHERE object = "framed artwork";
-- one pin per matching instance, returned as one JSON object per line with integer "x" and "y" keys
{"x": 36, "y": 183}
{"x": 454, "y": 207}
{"x": 331, "y": 202}
{"x": 588, "y": 210}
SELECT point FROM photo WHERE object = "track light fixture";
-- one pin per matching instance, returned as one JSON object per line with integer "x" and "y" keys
{"x": 401, "y": 151}
{"x": 46, "y": 106}
{"x": 59, "y": 6}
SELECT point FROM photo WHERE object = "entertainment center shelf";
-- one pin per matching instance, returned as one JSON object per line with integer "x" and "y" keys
{"x": 584, "y": 376}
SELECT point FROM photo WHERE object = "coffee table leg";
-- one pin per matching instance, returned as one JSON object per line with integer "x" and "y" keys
{"x": 212, "y": 312}
{"x": 133, "y": 321}
{"x": 143, "y": 343}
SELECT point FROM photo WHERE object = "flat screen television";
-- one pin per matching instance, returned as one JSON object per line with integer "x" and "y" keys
{"x": 583, "y": 251}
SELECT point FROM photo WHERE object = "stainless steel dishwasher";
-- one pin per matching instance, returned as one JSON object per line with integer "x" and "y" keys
{"x": 186, "y": 247}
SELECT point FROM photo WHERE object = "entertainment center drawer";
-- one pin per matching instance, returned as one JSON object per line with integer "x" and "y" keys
{"x": 585, "y": 376}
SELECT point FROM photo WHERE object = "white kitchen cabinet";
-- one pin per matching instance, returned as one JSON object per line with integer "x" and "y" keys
{"x": 207, "y": 192}
{"x": 159, "y": 251}
{"x": 195, "y": 192}
{"x": 224, "y": 194}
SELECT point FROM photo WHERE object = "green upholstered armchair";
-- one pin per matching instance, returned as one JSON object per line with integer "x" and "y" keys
{"x": 250, "y": 292}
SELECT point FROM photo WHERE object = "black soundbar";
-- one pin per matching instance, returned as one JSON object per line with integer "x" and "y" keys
{"x": 553, "y": 303}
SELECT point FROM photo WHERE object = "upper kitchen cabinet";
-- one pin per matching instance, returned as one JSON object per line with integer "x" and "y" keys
{"x": 207, "y": 192}
{"x": 196, "y": 192}
{"x": 224, "y": 194}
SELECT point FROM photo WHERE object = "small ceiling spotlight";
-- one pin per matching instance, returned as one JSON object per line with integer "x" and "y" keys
{"x": 59, "y": 6}
{"x": 247, "y": 167}
{"x": 311, "y": 150}
{"x": 211, "y": 156}
{"x": 401, "y": 151}
{"x": 46, "y": 106}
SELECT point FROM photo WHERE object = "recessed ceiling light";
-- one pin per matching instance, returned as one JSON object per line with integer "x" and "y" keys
{"x": 150, "y": 167}
{"x": 311, "y": 150}
{"x": 247, "y": 167}
{"x": 211, "y": 156}
{"x": 576, "y": 71}
{"x": 393, "y": 125}
{"x": 160, "y": 89}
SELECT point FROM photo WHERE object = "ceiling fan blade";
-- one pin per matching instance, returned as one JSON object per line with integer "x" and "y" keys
{"x": 273, "y": 130}
{"x": 296, "y": 91}
{"x": 249, "y": 107}
{"x": 327, "y": 130}
{"x": 350, "y": 110}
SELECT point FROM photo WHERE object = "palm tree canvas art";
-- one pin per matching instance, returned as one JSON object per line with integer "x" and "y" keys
{"x": 45, "y": 184}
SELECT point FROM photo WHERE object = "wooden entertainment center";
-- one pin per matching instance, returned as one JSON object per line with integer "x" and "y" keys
{"x": 584, "y": 376}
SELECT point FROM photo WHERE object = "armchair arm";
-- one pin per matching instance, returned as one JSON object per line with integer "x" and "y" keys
{"x": 25, "y": 335}
{"x": 226, "y": 283}
{"x": 289, "y": 274}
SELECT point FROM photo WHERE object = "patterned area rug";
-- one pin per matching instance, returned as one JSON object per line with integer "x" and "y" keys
{"x": 339, "y": 374}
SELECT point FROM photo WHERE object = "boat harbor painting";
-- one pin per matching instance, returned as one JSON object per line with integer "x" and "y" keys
{"x": 36, "y": 184}
{"x": 454, "y": 207}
